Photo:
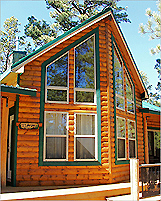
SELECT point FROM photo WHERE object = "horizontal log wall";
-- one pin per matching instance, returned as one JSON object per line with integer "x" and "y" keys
{"x": 122, "y": 172}
{"x": 29, "y": 173}
{"x": 153, "y": 121}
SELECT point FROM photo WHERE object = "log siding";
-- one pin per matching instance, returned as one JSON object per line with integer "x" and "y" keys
{"x": 29, "y": 170}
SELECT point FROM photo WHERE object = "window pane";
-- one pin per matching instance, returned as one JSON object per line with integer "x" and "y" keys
{"x": 157, "y": 150}
{"x": 55, "y": 148}
{"x": 56, "y": 124}
{"x": 121, "y": 127}
{"x": 131, "y": 129}
{"x": 129, "y": 91}
{"x": 121, "y": 148}
{"x": 56, "y": 95}
{"x": 85, "y": 148}
{"x": 130, "y": 106}
{"x": 118, "y": 76}
{"x": 85, "y": 124}
{"x": 82, "y": 96}
{"x": 120, "y": 102}
{"x": 57, "y": 72}
{"x": 131, "y": 148}
{"x": 84, "y": 64}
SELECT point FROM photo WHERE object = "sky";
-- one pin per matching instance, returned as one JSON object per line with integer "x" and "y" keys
{"x": 139, "y": 45}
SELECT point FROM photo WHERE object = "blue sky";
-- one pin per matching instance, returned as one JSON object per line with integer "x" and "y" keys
{"x": 138, "y": 44}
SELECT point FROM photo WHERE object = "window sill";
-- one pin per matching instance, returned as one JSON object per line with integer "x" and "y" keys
{"x": 121, "y": 162}
{"x": 69, "y": 163}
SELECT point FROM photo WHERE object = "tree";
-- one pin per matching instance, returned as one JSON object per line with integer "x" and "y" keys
{"x": 153, "y": 97}
{"x": 8, "y": 40}
{"x": 153, "y": 28}
{"x": 69, "y": 13}
{"x": 40, "y": 31}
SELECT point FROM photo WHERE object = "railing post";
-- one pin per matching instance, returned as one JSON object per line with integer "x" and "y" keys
{"x": 134, "y": 178}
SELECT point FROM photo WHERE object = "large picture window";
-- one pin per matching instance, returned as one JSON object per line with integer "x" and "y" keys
{"x": 85, "y": 137}
{"x": 70, "y": 86}
{"x": 57, "y": 80}
{"x": 85, "y": 85}
{"x": 55, "y": 136}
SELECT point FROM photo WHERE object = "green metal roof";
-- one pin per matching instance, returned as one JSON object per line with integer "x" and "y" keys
{"x": 61, "y": 37}
{"x": 150, "y": 106}
{"x": 29, "y": 57}
{"x": 18, "y": 90}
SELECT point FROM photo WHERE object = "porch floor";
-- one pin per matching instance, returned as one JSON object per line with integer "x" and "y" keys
{"x": 100, "y": 192}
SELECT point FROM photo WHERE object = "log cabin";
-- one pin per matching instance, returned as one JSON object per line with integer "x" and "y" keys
{"x": 71, "y": 111}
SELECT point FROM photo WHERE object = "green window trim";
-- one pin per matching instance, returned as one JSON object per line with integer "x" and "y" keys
{"x": 119, "y": 162}
{"x": 18, "y": 90}
{"x": 15, "y": 142}
{"x": 153, "y": 128}
{"x": 42, "y": 104}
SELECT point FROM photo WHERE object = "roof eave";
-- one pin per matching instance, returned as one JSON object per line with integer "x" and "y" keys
{"x": 59, "y": 40}
{"x": 19, "y": 91}
{"x": 145, "y": 92}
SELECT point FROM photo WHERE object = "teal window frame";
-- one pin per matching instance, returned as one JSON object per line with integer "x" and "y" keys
{"x": 42, "y": 104}
{"x": 127, "y": 161}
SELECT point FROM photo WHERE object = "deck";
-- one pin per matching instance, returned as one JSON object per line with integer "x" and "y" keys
{"x": 120, "y": 191}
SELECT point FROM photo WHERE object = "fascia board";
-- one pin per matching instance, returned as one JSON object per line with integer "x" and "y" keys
{"x": 18, "y": 90}
{"x": 7, "y": 72}
{"x": 131, "y": 57}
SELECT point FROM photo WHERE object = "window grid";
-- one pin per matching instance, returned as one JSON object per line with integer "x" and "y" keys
{"x": 129, "y": 104}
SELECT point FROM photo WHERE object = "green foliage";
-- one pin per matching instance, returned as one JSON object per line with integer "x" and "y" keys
{"x": 157, "y": 140}
{"x": 153, "y": 26}
{"x": 69, "y": 13}
{"x": 158, "y": 68}
{"x": 8, "y": 40}
{"x": 39, "y": 31}
{"x": 153, "y": 97}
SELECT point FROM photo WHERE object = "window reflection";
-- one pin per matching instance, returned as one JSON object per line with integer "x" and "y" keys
{"x": 85, "y": 71}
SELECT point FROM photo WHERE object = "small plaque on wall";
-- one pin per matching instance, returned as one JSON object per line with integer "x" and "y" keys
{"x": 29, "y": 125}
